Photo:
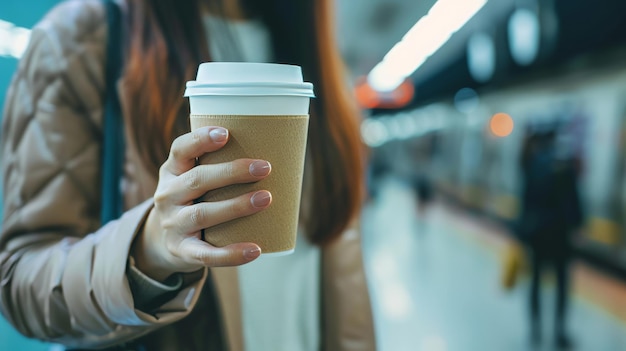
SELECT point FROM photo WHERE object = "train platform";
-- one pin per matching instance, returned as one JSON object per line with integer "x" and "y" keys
{"x": 436, "y": 284}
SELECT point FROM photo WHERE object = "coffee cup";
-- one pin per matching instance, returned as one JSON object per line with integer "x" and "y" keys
{"x": 265, "y": 108}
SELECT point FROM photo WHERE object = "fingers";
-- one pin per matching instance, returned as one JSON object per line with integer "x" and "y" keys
{"x": 186, "y": 148}
{"x": 201, "y": 179}
{"x": 203, "y": 215}
{"x": 199, "y": 252}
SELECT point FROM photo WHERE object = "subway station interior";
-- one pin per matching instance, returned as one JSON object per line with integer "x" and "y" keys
{"x": 452, "y": 95}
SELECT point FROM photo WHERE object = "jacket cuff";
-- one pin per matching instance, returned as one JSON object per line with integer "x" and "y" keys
{"x": 148, "y": 293}
{"x": 112, "y": 288}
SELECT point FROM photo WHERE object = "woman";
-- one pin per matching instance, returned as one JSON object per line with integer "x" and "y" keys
{"x": 146, "y": 280}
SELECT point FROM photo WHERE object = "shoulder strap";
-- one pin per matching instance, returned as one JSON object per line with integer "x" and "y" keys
{"x": 113, "y": 125}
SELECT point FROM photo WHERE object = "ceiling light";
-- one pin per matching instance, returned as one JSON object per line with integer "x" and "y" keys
{"x": 524, "y": 36}
{"x": 481, "y": 57}
{"x": 429, "y": 34}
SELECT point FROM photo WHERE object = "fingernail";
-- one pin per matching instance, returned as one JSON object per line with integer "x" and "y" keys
{"x": 252, "y": 253}
{"x": 261, "y": 199}
{"x": 260, "y": 168}
{"x": 218, "y": 134}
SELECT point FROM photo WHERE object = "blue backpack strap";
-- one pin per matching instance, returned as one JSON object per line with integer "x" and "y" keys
{"x": 112, "y": 152}
{"x": 113, "y": 155}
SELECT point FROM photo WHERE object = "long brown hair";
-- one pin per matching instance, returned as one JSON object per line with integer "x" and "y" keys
{"x": 166, "y": 43}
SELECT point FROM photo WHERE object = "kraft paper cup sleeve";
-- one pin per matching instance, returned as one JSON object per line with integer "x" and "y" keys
{"x": 281, "y": 140}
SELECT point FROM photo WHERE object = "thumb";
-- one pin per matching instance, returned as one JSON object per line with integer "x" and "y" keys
{"x": 198, "y": 251}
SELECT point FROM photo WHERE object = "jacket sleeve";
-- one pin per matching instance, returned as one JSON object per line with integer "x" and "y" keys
{"x": 347, "y": 323}
{"x": 62, "y": 277}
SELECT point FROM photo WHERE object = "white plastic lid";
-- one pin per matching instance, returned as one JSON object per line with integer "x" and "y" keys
{"x": 248, "y": 79}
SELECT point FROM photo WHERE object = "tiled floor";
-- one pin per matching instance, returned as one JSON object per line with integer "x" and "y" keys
{"x": 436, "y": 285}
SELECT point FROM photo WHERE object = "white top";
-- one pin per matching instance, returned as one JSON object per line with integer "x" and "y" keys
{"x": 238, "y": 41}
{"x": 280, "y": 300}
{"x": 280, "y": 296}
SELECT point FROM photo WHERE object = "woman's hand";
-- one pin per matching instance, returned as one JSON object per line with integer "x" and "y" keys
{"x": 170, "y": 241}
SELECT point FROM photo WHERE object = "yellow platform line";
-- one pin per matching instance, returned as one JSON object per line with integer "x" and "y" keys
{"x": 597, "y": 290}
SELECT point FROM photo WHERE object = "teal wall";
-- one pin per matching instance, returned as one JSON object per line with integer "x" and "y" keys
{"x": 23, "y": 14}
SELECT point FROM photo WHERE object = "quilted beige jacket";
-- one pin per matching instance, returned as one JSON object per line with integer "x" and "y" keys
{"x": 63, "y": 278}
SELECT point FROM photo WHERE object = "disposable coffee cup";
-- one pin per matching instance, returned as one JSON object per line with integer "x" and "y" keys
{"x": 265, "y": 108}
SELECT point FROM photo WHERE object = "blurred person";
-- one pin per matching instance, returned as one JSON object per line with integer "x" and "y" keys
{"x": 378, "y": 168}
{"x": 147, "y": 281}
{"x": 550, "y": 214}
{"x": 422, "y": 151}
{"x": 423, "y": 189}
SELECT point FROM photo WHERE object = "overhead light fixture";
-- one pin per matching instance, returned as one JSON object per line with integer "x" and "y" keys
{"x": 524, "y": 34}
{"x": 429, "y": 34}
{"x": 481, "y": 56}
{"x": 13, "y": 39}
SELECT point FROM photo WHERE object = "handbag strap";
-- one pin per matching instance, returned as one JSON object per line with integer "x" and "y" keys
{"x": 112, "y": 157}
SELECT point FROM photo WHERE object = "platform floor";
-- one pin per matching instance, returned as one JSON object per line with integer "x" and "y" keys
{"x": 436, "y": 284}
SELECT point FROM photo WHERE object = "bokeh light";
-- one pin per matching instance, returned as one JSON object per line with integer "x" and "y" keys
{"x": 466, "y": 100}
{"x": 501, "y": 125}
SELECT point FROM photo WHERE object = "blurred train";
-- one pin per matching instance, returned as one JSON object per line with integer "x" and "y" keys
{"x": 453, "y": 142}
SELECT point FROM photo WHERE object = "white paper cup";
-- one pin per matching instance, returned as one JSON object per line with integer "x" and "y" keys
{"x": 265, "y": 107}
